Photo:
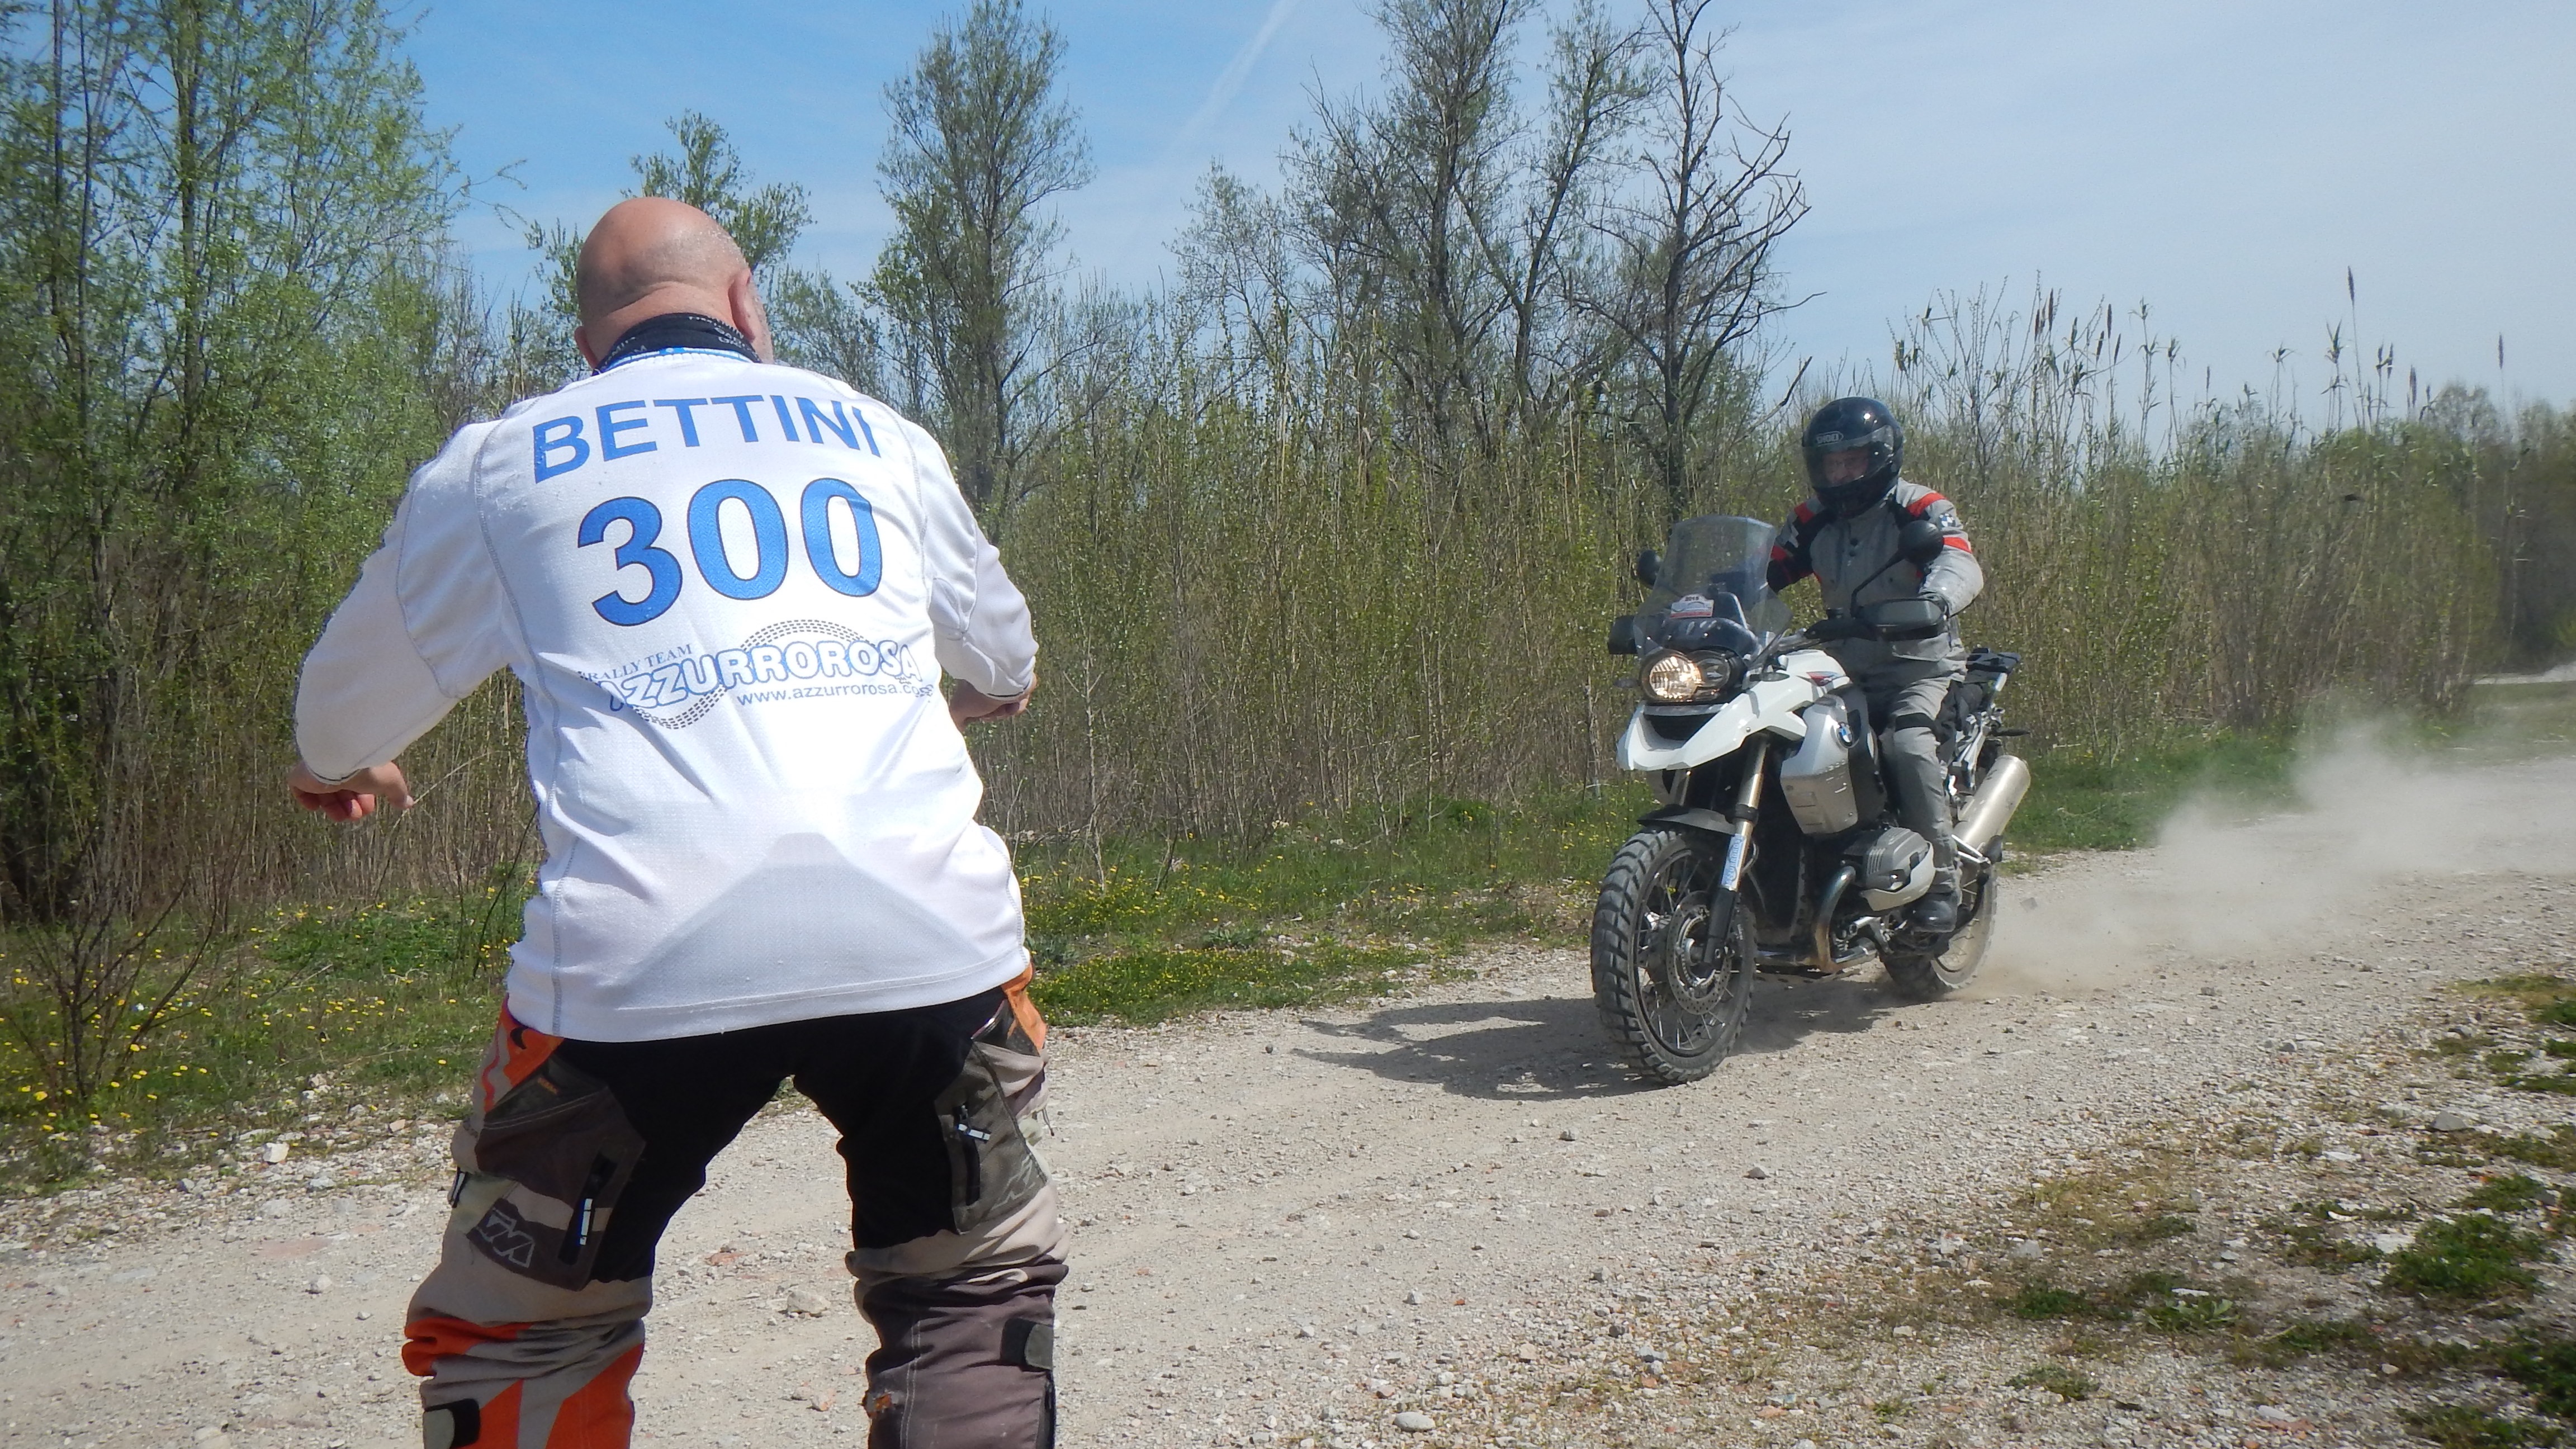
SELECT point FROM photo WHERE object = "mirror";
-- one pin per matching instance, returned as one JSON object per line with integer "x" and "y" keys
{"x": 1625, "y": 636}
{"x": 1920, "y": 541}
{"x": 1650, "y": 567}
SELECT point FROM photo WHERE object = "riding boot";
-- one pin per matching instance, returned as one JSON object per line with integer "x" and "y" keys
{"x": 1938, "y": 911}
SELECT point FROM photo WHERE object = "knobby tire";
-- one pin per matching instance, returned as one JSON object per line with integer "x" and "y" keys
{"x": 1658, "y": 884}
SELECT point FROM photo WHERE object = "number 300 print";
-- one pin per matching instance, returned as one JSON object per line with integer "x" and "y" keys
{"x": 706, "y": 545}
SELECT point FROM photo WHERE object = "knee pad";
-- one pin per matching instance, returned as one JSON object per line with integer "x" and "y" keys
{"x": 964, "y": 1360}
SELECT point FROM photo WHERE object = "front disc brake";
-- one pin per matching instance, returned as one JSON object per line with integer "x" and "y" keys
{"x": 1686, "y": 960}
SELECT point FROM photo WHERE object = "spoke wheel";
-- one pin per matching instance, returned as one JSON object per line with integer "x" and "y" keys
{"x": 1922, "y": 974}
{"x": 1672, "y": 998}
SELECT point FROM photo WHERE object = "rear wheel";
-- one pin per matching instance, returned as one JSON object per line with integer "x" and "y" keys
{"x": 1672, "y": 998}
{"x": 1923, "y": 974}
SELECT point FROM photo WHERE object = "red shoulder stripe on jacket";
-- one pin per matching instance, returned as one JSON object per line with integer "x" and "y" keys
{"x": 1952, "y": 540}
{"x": 1926, "y": 501}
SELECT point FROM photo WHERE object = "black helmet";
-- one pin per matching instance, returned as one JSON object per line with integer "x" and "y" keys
{"x": 1843, "y": 424}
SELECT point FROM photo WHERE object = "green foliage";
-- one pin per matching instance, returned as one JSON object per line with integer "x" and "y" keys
{"x": 980, "y": 141}
{"x": 2471, "y": 1258}
{"x": 387, "y": 1001}
{"x": 229, "y": 325}
{"x": 2545, "y": 1365}
{"x": 2548, "y": 1000}
{"x": 2193, "y": 1315}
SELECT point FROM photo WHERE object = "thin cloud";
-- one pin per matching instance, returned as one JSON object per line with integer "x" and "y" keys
{"x": 1229, "y": 84}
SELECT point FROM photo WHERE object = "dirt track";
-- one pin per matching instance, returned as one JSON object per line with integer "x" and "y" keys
{"x": 1278, "y": 1213}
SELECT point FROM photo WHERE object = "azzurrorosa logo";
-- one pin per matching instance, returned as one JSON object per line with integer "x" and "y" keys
{"x": 794, "y": 659}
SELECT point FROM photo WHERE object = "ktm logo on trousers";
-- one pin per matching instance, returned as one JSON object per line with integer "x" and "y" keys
{"x": 505, "y": 1236}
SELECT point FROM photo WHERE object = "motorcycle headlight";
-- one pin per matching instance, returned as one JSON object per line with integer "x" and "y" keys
{"x": 1716, "y": 672}
{"x": 1670, "y": 678}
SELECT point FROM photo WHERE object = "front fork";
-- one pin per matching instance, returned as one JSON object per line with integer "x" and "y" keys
{"x": 1748, "y": 802}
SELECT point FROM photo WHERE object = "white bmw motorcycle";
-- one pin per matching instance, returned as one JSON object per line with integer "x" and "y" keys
{"x": 1776, "y": 845}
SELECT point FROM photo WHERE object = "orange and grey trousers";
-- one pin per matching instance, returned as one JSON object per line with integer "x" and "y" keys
{"x": 575, "y": 1154}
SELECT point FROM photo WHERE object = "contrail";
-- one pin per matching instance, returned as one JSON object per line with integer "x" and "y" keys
{"x": 1230, "y": 80}
{"x": 1229, "y": 83}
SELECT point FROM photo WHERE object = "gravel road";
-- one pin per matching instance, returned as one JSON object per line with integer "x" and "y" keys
{"x": 1452, "y": 1205}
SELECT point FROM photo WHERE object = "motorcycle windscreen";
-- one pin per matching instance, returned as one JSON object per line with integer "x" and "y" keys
{"x": 1716, "y": 566}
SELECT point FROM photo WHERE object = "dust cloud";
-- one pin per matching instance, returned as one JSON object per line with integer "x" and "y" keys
{"x": 2219, "y": 885}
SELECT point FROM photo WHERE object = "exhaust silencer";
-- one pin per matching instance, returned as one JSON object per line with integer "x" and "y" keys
{"x": 1988, "y": 811}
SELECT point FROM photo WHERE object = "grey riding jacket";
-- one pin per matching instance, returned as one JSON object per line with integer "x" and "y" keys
{"x": 1855, "y": 561}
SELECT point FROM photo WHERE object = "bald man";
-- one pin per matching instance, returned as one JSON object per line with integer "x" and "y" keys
{"x": 729, "y": 590}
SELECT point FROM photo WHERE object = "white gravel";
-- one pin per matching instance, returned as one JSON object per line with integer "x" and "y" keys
{"x": 1448, "y": 1218}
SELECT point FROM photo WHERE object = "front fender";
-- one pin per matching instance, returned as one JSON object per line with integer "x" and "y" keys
{"x": 1769, "y": 704}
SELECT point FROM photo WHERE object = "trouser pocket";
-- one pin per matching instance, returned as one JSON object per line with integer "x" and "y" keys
{"x": 987, "y": 1118}
{"x": 564, "y": 1148}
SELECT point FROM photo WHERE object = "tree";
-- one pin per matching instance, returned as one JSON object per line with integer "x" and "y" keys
{"x": 981, "y": 141}
{"x": 1692, "y": 271}
{"x": 707, "y": 173}
{"x": 1595, "y": 90}
{"x": 1397, "y": 197}
{"x": 218, "y": 267}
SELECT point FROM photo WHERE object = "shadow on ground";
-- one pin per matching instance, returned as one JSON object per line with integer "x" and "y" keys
{"x": 1553, "y": 1049}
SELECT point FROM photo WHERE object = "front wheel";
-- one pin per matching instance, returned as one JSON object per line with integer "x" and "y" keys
{"x": 1672, "y": 998}
{"x": 1929, "y": 975}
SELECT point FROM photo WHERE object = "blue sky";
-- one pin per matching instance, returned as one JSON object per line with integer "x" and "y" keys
{"x": 2225, "y": 162}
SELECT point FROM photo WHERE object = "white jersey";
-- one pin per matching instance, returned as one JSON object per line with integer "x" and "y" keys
{"x": 728, "y": 590}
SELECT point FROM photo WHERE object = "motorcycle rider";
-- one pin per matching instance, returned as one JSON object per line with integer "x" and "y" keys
{"x": 1846, "y": 537}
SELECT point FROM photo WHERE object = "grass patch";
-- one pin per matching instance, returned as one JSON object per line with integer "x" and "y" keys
{"x": 2207, "y": 1314}
{"x": 2548, "y": 1000}
{"x": 2058, "y": 1379}
{"x": 2510, "y": 1193}
{"x": 2547, "y": 1367}
{"x": 2457, "y": 1426}
{"x": 2312, "y": 1241}
{"x": 2300, "y": 1340}
{"x": 1437, "y": 870}
{"x": 2473, "y": 1258}
{"x": 1330, "y": 907}
{"x": 1154, "y": 984}
{"x": 312, "y": 1017}
{"x": 2156, "y": 1291}
{"x": 2039, "y": 1302}
{"x": 2080, "y": 800}
{"x": 2556, "y": 1152}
